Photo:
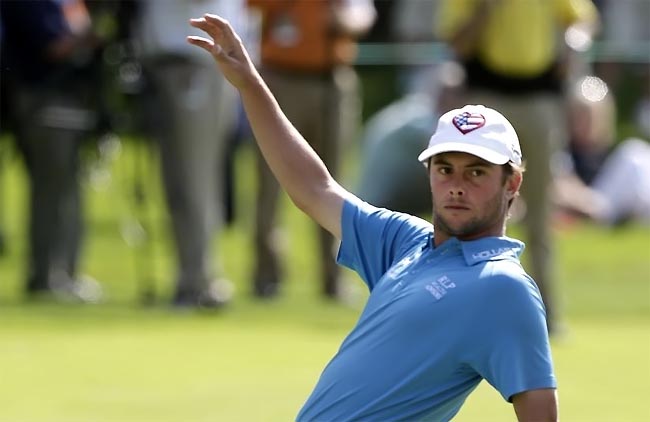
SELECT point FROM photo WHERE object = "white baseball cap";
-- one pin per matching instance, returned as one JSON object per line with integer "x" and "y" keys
{"x": 476, "y": 130}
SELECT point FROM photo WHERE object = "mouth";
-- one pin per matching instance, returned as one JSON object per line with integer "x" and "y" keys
{"x": 456, "y": 207}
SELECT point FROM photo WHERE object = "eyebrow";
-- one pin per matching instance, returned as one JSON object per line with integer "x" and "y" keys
{"x": 478, "y": 162}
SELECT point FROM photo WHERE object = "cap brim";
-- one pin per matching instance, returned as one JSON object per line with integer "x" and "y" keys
{"x": 477, "y": 150}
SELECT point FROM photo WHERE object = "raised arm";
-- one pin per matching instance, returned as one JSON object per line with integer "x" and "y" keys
{"x": 294, "y": 163}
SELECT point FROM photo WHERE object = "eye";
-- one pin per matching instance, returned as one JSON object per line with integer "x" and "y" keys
{"x": 444, "y": 170}
{"x": 477, "y": 172}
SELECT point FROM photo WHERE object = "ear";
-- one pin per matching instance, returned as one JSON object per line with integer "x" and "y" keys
{"x": 513, "y": 183}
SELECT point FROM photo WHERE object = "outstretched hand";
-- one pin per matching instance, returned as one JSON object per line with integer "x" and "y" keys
{"x": 226, "y": 47}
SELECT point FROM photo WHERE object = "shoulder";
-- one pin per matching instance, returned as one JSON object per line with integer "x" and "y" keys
{"x": 509, "y": 290}
{"x": 507, "y": 275}
{"x": 509, "y": 311}
{"x": 372, "y": 228}
{"x": 357, "y": 209}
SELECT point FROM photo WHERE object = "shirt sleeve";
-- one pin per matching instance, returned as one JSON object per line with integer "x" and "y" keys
{"x": 513, "y": 351}
{"x": 374, "y": 238}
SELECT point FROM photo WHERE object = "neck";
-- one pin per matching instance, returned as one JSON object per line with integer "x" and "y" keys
{"x": 441, "y": 236}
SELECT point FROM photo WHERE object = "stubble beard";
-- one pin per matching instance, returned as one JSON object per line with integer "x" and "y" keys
{"x": 475, "y": 226}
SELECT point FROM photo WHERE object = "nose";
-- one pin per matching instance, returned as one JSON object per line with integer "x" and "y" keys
{"x": 456, "y": 191}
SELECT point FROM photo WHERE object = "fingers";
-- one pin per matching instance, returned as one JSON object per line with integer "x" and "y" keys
{"x": 211, "y": 46}
{"x": 225, "y": 41}
{"x": 205, "y": 44}
{"x": 216, "y": 20}
{"x": 215, "y": 26}
{"x": 221, "y": 24}
{"x": 204, "y": 25}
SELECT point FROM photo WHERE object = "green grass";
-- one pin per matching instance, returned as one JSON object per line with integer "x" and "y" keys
{"x": 120, "y": 361}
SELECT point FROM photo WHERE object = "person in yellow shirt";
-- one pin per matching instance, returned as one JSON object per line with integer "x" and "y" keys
{"x": 515, "y": 57}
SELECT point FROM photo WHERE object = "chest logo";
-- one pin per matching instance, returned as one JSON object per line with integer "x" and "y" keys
{"x": 403, "y": 266}
{"x": 440, "y": 287}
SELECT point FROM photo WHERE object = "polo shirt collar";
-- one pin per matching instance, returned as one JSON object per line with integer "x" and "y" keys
{"x": 485, "y": 249}
{"x": 491, "y": 249}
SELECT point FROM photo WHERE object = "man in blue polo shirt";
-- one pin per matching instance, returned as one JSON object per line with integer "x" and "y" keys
{"x": 447, "y": 308}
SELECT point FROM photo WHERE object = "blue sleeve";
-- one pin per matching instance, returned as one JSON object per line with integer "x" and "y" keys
{"x": 512, "y": 349}
{"x": 373, "y": 239}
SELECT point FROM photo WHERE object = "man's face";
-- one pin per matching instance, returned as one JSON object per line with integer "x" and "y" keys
{"x": 470, "y": 196}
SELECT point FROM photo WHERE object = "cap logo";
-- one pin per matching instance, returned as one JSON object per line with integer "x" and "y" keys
{"x": 466, "y": 122}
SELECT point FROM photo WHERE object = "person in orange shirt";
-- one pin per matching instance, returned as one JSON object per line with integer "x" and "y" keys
{"x": 307, "y": 48}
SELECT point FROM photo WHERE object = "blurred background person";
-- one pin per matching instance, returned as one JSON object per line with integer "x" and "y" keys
{"x": 600, "y": 178}
{"x": 514, "y": 63}
{"x": 190, "y": 113}
{"x": 393, "y": 137}
{"x": 49, "y": 59}
{"x": 413, "y": 23}
{"x": 307, "y": 49}
{"x": 623, "y": 57}
{"x": 388, "y": 178}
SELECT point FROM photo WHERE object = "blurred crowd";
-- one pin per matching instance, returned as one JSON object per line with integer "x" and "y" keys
{"x": 572, "y": 76}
